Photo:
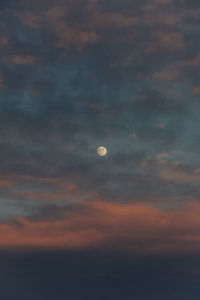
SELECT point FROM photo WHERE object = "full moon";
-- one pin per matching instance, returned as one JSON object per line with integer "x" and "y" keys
{"x": 102, "y": 151}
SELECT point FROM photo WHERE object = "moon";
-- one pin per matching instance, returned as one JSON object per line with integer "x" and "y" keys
{"x": 102, "y": 151}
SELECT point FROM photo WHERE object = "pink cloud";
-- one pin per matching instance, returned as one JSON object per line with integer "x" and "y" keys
{"x": 169, "y": 73}
{"x": 196, "y": 90}
{"x": 160, "y": 126}
{"x": 133, "y": 136}
{"x": 170, "y": 41}
{"x": 77, "y": 34}
{"x": 1, "y": 81}
{"x": 21, "y": 59}
{"x": 137, "y": 228}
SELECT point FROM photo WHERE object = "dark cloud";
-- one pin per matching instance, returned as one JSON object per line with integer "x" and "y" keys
{"x": 75, "y": 75}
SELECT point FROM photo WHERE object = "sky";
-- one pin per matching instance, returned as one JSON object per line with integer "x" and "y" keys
{"x": 76, "y": 75}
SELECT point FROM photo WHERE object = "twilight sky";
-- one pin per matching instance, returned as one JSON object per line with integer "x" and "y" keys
{"x": 76, "y": 75}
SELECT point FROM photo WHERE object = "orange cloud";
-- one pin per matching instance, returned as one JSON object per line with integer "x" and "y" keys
{"x": 77, "y": 34}
{"x": 195, "y": 62}
{"x": 196, "y": 90}
{"x": 137, "y": 228}
{"x": 3, "y": 41}
{"x": 133, "y": 136}
{"x": 171, "y": 171}
{"x": 6, "y": 183}
{"x": 156, "y": 4}
{"x": 57, "y": 182}
{"x": 170, "y": 41}
{"x": 160, "y": 126}
{"x": 21, "y": 59}
{"x": 169, "y": 73}
{"x": 173, "y": 71}
{"x": 1, "y": 81}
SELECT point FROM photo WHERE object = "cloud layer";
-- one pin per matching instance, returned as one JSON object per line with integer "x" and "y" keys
{"x": 76, "y": 75}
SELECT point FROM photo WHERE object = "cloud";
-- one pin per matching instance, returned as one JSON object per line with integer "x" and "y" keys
{"x": 171, "y": 170}
{"x": 21, "y": 60}
{"x": 168, "y": 41}
{"x": 1, "y": 81}
{"x": 176, "y": 70}
{"x": 160, "y": 126}
{"x": 195, "y": 62}
{"x": 171, "y": 154}
{"x": 4, "y": 41}
{"x": 196, "y": 90}
{"x": 89, "y": 29}
{"x": 134, "y": 228}
{"x": 168, "y": 73}
{"x": 155, "y": 4}
{"x": 133, "y": 136}
{"x": 73, "y": 79}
